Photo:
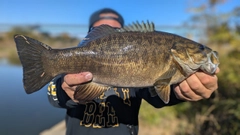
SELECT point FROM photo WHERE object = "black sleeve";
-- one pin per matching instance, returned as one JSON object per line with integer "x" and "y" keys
{"x": 156, "y": 101}
{"x": 57, "y": 96}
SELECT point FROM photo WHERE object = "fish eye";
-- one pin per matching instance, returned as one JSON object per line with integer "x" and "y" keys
{"x": 201, "y": 47}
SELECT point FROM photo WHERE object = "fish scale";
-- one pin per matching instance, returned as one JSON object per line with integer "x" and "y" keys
{"x": 134, "y": 56}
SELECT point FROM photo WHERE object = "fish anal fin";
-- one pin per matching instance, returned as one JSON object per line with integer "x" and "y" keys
{"x": 89, "y": 91}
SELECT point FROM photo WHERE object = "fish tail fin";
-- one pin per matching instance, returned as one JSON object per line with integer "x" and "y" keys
{"x": 30, "y": 52}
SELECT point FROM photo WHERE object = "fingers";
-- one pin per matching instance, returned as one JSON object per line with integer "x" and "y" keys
{"x": 196, "y": 87}
{"x": 209, "y": 81}
{"x": 185, "y": 92}
{"x": 217, "y": 71}
{"x": 70, "y": 82}
{"x": 74, "y": 79}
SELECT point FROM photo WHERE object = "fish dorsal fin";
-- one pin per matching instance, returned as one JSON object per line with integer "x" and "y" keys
{"x": 98, "y": 32}
{"x": 103, "y": 30}
{"x": 137, "y": 27}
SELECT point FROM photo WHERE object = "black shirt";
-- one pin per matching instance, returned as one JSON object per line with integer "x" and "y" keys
{"x": 116, "y": 114}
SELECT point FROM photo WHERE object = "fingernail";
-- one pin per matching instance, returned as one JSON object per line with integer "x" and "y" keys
{"x": 88, "y": 76}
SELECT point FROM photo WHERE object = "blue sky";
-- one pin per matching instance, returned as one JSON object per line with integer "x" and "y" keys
{"x": 161, "y": 12}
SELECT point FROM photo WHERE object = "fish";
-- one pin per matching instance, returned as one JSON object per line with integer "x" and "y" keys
{"x": 135, "y": 56}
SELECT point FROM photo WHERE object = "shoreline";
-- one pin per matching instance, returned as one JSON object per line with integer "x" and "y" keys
{"x": 57, "y": 129}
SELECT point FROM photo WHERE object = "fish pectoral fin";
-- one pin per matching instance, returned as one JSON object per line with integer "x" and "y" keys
{"x": 162, "y": 85}
{"x": 89, "y": 91}
{"x": 168, "y": 74}
{"x": 163, "y": 80}
{"x": 163, "y": 91}
{"x": 152, "y": 92}
{"x": 162, "y": 88}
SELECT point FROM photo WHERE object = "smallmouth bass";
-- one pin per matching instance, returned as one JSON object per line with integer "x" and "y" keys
{"x": 134, "y": 56}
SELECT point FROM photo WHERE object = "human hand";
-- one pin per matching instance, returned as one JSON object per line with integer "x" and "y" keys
{"x": 70, "y": 82}
{"x": 197, "y": 86}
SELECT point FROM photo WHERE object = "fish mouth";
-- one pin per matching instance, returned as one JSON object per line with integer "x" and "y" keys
{"x": 212, "y": 63}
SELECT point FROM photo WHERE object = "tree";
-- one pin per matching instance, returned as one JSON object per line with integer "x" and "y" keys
{"x": 221, "y": 113}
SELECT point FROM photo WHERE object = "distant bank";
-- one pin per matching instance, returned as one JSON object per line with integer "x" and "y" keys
{"x": 80, "y": 31}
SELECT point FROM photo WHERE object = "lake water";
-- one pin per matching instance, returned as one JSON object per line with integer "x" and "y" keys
{"x": 20, "y": 113}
